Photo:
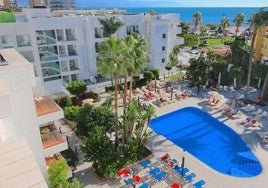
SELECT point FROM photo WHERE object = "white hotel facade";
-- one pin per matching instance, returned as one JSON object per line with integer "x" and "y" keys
{"x": 63, "y": 45}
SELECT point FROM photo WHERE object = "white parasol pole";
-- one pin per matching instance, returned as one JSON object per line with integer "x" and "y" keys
{"x": 219, "y": 79}
{"x": 234, "y": 82}
{"x": 259, "y": 83}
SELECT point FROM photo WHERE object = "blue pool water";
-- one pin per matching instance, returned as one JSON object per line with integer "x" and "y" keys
{"x": 209, "y": 140}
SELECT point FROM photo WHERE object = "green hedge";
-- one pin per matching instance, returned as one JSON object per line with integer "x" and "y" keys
{"x": 6, "y": 17}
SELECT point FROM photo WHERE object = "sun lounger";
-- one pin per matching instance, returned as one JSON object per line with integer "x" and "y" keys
{"x": 144, "y": 185}
{"x": 160, "y": 176}
{"x": 178, "y": 170}
{"x": 190, "y": 177}
{"x": 128, "y": 182}
{"x": 264, "y": 114}
{"x": 145, "y": 164}
{"x": 259, "y": 111}
{"x": 199, "y": 184}
{"x": 136, "y": 179}
{"x": 154, "y": 171}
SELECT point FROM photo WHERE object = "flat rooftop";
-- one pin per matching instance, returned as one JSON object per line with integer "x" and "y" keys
{"x": 18, "y": 167}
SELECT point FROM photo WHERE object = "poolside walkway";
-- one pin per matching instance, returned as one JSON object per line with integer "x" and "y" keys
{"x": 159, "y": 145}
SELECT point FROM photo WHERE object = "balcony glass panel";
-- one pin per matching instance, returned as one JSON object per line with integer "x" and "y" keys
{"x": 50, "y": 69}
{"x": 70, "y": 34}
{"x": 28, "y": 55}
{"x": 45, "y": 37}
{"x": 52, "y": 78}
{"x": 23, "y": 40}
{"x": 48, "y": 53}
{"x": 60, "y": 35}
{"x": 66, "y": 80}
{"x": 7, "y": 41}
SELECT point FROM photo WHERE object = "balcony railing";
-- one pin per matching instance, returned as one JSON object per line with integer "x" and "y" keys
{"x": 50, "y": 136}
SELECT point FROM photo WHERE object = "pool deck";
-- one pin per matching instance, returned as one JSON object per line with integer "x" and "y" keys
{"x": 159, "y": 145}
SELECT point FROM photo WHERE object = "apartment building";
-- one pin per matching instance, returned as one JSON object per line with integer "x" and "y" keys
{"x": 63, "y": 45}
{"x": 61, "y": 4}
{"x": 261, "y": 46}
{"x": 28, "y": 111}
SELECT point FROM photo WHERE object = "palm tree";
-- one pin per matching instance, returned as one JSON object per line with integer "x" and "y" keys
{"x": 139, "y": 56}
{"x": 256, "y": 22}
{"x": 225, "y": 22}
{"x": 110, "y": 26}
{"x": 238, "y": 20}
{"x": 110, "y": 62}
{"x": 197, "y": 17}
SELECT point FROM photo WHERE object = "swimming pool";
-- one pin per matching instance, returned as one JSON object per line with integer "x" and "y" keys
{"x": 209, "y": 140}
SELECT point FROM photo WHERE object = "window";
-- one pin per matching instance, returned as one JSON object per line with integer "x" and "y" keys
{"x": 60, "y": 35}
{"x": 74, "y": 77}
{"x": 62, "y": 51}
{"x": 163, "y": 60}
{"x": 70, "y": 34}
{"x": 97, "y": 47}
{"x": 132, "y": 29}
{"x": 73, "y": 64}
{"x": 71, "y": 50}
{"x": 64, "y": 66}
{"x": 7, "y": 41}
{"x": 23, "y": 40}
{"x": 98, "y": 32}
{"x": 163, "y": 48}
{"x": 28, "y": 55}
{"x": 164, "y": 35}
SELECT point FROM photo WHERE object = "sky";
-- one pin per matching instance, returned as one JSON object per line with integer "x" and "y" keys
{"x": 166, "y": 3}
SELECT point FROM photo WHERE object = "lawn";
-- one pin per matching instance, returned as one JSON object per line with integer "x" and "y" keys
{"x": 6, "y": 17}
{"x": 217, "y": 41}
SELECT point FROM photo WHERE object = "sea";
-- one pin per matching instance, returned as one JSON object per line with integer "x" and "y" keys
{"x": 211, "y": 15}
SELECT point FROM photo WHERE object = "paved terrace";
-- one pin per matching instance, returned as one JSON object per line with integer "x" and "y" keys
{"x": 159, "y": 146}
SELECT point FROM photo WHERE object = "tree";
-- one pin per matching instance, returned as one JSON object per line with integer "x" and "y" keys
{"x": 110, "y": 62}
{"x": 203, "y": 30}
{"x": 238, "y": 20}
{"x": 139, "y": 54}
{"x": 197, "y": 17}
{"x": 168, "y": 67}
{"x": 89, "y": 117}
{"x": 184, "y": 27}
{"x": 190, "y": 40}
{"x": 257, "y": 21}
{"x": 57, "y": 176}
{"x": 99, "y": 149}
{"x": 225, "y": 22}
{"x": 148, "y": 75}
{"x": 77, "y": 88}
{"x": 110, "y": 25}
{"x": 71, "y": 112}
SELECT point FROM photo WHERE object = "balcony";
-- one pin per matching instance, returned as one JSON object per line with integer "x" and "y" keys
{"x": 47, "y": 110}
{"x": 50, "y": 136}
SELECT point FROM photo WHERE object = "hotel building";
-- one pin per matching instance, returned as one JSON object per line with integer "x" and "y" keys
{"x": 63, "y": 45}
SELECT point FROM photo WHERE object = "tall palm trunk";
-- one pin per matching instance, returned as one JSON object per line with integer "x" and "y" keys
{"x": 130, "y": 87}
{"x": 116, "y": 110}
{"x": 264, "y": 87}
{"x": 125, "y": 94}
{"x": 250, "y": 63}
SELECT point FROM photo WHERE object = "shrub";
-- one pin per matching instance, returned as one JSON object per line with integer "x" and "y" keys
{"x": 70, "y": 113}
{"x": 77, "y": 88}
{"x": 63, "y": 101}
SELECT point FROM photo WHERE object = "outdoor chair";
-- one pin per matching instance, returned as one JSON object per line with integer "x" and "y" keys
{"x": 128, "y": 182}
{"x": 175, "y": 185}
{"x": 190, "y": 177}
{"x": 160, "y": 176}
{"x": 144, "y": 185}
{"x": 154, "y": 171}
{"x": 145, "y": 164}
{"x": 199, "y": 184}
{"x": 178, "y": 170}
